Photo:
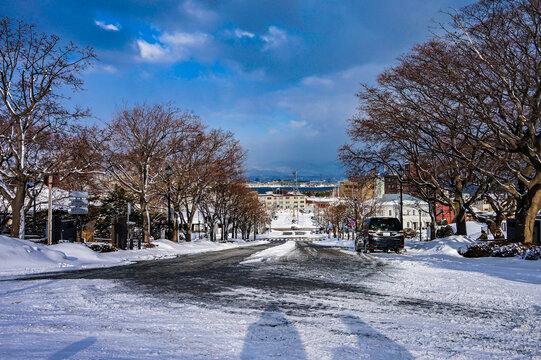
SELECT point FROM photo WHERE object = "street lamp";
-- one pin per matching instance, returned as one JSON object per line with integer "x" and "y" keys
{"x": 168, "y": 173}
{"x": 400, "y": 175}
{"x": 355, "y": 233}
{"x": 224, "y": 202}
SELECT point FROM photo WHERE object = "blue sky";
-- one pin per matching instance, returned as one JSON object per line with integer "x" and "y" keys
{"x": 281, "y": 75}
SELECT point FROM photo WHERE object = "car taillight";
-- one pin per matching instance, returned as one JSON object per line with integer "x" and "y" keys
{"x": 370, "y": 232}
{"x": 402, "y": 245}
{"x": 401, "y": 233}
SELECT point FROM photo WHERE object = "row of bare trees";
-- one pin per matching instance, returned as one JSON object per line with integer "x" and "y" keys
{"x": 356, "y": 205}
{"x": 156, "y": 152}
{"x": 465, "y": 109}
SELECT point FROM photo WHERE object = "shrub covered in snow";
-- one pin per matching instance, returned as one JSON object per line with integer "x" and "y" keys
{"x": 445, "y": 231}
{"x": 502, "y": 249}
{"x": 409, "y": 233}
{"x": 533, "y": 253}
{"x": 101, "y": 247}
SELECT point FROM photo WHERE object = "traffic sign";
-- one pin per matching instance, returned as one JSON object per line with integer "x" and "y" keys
{"x": 352, "y": 223}
{"x": 78, "y": 211}
{"x": 79, "y": 202}
{"x": 79, "y": 194}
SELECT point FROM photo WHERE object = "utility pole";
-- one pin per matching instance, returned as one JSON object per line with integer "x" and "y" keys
{"x": 50, "y": 211}
{"x": 400, "y": 175}
{"x": 355, "y": 233}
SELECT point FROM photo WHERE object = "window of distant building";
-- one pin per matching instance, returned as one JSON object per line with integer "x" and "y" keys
{"x": 390, "y": 213}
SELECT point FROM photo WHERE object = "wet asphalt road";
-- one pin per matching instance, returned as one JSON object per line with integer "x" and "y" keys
{"x": 310, "y": 272}
{"x": 209, "y": 278}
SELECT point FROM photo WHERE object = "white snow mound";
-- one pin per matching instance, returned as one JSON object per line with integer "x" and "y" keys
{"x": 445, "y": 246}
{"x": 273, "y": 254}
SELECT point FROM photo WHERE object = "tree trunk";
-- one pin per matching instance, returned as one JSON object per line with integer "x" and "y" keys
{"x": 460, "y": 211}
{"x": 17, "y": 211}
{"x": 460, "y": 220}
{"x": 188, "y": 231}
{"x": 146, "y": 219}
{"x": 527, "y": 208}
{"x": 175, "y": 229}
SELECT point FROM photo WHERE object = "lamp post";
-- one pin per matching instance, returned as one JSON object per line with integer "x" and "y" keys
{"x": 355, "y": 233}
{"x": 400, "y": 175}
{"x": 224, "y": 202}
{"x": 420, "y": 225}
{"x": 168, "y": 173}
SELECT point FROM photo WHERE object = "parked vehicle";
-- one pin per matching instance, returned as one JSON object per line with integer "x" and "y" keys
{"x": 380, "y": 233}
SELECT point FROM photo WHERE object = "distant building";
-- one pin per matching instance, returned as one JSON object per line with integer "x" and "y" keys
{"x": 365, "y": 191}
{"x": 283, "y": 201}
{"x": 413, "y": 209}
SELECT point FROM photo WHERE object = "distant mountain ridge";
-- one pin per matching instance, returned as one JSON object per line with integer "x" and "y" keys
{"x": 305, "y": 171}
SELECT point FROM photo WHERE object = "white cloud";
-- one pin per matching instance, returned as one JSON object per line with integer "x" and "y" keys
{"x": 172, "y": 47}
{"x": 110, "y": 69}
{"x": 108, "y": 27}
{"x": 184, "y": 39}
{"x": 242, "y": 33}
{"x": 316, "y": 81}
{"x": 151, "y": 52}
{"x": 297, "y": 124}
{"x": 198, "y": 12}
{"x": 274, "y": 38}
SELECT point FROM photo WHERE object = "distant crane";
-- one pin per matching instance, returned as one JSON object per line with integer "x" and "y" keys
{"x": 295, "y": 183}
{"x": 295, "y": 191}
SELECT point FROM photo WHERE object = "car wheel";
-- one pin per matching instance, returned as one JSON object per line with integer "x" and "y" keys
{"x": 397, "y": 251}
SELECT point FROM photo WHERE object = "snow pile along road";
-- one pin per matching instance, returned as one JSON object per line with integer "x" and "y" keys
{"x": 445, "y": 246}
{"x": 21, "y": 257}
{"x": 282, "y": 252}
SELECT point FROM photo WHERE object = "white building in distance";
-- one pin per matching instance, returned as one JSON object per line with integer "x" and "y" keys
{"x": 413, "y": 209}
{"x": 283, "y": 201}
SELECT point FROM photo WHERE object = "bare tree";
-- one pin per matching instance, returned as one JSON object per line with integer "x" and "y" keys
{"x": 469, "y": 106}
{"x": 403, "y": 121}
{"x": 33, "y": 69}
{"x": 499, "y": 44}
{"x": 205, "y": 158}
{"x": 336, "y": 216}
{"x": 142, "y": 138}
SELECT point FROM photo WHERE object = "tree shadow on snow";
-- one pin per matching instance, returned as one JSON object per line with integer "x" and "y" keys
{"x": 72, "y": 349}
{"x": 272, "y": 336}
{"x": 370, "y": 343}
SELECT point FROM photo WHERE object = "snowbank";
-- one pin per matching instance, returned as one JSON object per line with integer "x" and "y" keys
{"x": 23, "y": 257}
{"x": 273, "y": 254}
{"x": 474, "y": 228}
{"x": 445, "y": 246}
{"x": 339, "y": 243}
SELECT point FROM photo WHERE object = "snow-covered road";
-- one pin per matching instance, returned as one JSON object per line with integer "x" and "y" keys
{"x": 292, "y": 301}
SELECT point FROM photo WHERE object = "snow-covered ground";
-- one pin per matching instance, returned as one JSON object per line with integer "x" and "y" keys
{"x": 21, "y": 257}
{"x": 428, "y": 303}
{"x": 285, "y": 219}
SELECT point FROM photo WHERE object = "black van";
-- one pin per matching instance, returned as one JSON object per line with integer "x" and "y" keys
{"x": 380, "y": 233}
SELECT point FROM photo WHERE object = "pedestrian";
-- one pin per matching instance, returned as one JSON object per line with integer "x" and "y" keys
{"x": 483, "y": 236}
